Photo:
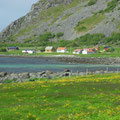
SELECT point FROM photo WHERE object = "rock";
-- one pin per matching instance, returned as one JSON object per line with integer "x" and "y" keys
{"x": 82, "y": 73}
{"x": 13, "y": 76}
{"x": 97, "y": 72}
{"x": 48, "y": 72}
{"x": 42, "y": 73}
{"x": 33, "y": 75}
{"x": 25, "y": 75}
{"x": 3, "y": 74}
{"x": 66, "y": 70}
{"x": 90, "y": 73}
{"x": 66, "y": 74}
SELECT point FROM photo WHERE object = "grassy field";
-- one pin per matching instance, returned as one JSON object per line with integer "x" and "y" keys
{"x": 92, "y": 97}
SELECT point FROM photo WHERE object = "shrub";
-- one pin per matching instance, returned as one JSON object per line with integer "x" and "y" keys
{"x": 60, "y": 34}
{"x": 3, "y": 50}
{"x": 89, "y": 39}
{"x": 92, "y": 2}
{"x": 111, "y": 5}
{"x": 119, "y": 8}
{"x": 114, "y": 38}
{"x": 110, "y": 49}
{"x": 44, "y": 38}
{"x": 82, "y": 28}
{"x": 42, "y": 49}
{"x": 63, "y": 43}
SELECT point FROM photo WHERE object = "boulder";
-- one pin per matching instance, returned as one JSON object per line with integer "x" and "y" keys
{"x": 3, "y": 74}
{"x": 33, "y": 75}
{"x": 42, "y": 73}
{"x": 13, "y": 76}
{"x": 48, "y": 72}
{"x": 66, "y": 74}
{"x": 66, "y": 70}
{"x": 25, "y": 75}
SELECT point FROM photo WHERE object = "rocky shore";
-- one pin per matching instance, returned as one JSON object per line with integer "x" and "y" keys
{"x": 89, "y": 60}
{"x": 73, "y": 59}
{"x": 23, "y": 77}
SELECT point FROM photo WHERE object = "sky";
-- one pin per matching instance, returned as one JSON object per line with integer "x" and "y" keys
{"x": 11, "y": 10}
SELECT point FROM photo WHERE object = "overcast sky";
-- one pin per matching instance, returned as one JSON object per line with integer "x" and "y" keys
{"x": 11, "y": 10}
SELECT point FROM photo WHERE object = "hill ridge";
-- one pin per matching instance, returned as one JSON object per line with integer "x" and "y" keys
{"x": 73, "y": 18}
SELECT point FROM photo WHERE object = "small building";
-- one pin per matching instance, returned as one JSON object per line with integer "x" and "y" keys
{"x": 88, "y": 51}
{"x": 105, "y": 48}
{"x": 13, "y": 48}
{"x": 49, "y": 49}
{"x": 61, "y": 50}
{"x": 78, "y": 51}
{"x": 96, "y": 48}
{"x": 28, "y": 51}
{"x": 108, "y": 49}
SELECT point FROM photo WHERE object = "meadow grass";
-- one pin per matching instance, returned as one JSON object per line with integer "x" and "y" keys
{"x": 91, "y": 97}
{"x": 66, "y": 16}
{"x": 89, "y": 23}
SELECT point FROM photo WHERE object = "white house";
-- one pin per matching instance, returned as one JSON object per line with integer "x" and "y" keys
{"x": 61, "y": 50}
{"x": 49, "y": 49}
{"x": 78, "y": 51}
{"x": 24, "y": 51}
{"x": 29, "y": 51}
{"x": 88, "y": 51}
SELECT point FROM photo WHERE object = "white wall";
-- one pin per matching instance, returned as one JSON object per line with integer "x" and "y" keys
{"x": 61, "y": 51}
{"x": 84, "y": 52}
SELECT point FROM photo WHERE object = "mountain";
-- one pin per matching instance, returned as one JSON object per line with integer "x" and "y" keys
{"x": 64, "y": 19}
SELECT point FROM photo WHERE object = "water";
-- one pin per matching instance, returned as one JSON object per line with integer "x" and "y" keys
{"x": 18, "y": 65}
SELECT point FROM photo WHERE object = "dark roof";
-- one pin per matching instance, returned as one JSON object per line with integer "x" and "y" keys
{"x": 106, "y": 46}
{"x": 49, "y": 48}
{"x": 12, "y": 47}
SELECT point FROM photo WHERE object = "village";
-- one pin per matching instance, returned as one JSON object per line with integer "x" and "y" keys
{"x": 51, "y": 49}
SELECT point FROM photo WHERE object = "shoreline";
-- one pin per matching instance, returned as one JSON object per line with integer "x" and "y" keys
{"x": 47, "y": 75}
{"x": 73, "y": 59}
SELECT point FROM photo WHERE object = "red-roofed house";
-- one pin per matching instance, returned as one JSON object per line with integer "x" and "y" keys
{"x": 88, "y": 51}
{"x": 61, "y": 50}
{"x": 96, "y": 48}
{"x": 78, "y": 51}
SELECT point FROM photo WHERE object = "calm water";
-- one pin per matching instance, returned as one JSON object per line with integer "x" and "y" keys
{"x": 14, "y": 64}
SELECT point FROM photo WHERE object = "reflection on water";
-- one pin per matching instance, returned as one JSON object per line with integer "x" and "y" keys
{"x": 10, "y": 64}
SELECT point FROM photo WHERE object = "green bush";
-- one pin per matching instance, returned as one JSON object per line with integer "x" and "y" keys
{"x": 92, "y": 2}
{"x": 113, "y": 39}
{"x": 62, "y": 43}
{"x": 42, "y": 49}
{"x": 82, "y": 28}
{"x": 89, "y": 39}
{"x": 44, "y": 39}
{"x": 110, "y": 49}
{"x": 111, "y": 5}
{"x": 60, "y": 34}
{"x": 3, "y": 50}
{"x": 119, "y": 8}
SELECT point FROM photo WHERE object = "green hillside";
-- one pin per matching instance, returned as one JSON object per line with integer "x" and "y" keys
{"x": 92, "y": 97}
{"x": 73, "y": 18}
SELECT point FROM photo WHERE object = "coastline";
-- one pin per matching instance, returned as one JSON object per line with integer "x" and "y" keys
{"x": 73, "y": 59}
{"x": 45, "y": 75}
{"x": 33, "y": 76}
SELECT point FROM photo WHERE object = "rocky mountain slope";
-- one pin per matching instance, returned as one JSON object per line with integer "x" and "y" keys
{"x": 72, "y": 18}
